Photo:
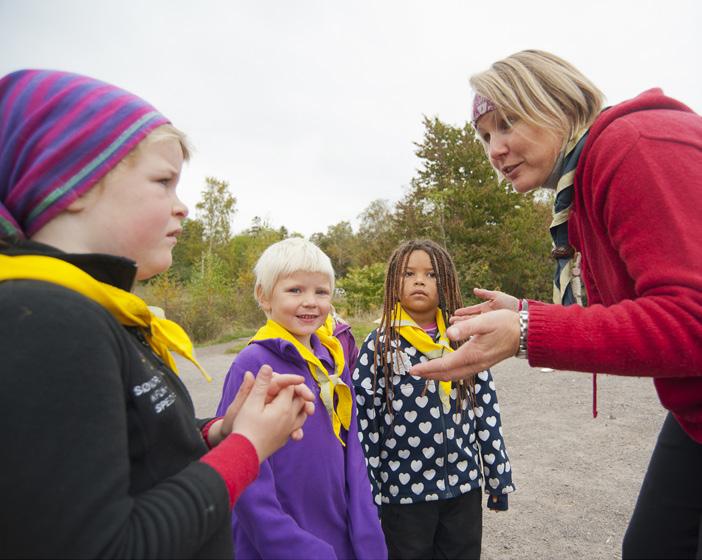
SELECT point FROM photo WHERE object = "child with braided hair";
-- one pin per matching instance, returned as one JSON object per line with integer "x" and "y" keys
{"x": 425, "y": 442}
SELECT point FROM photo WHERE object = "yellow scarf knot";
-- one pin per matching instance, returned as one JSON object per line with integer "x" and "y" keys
{"x": 330, "y": 384}
{"x": 419, "y": 339}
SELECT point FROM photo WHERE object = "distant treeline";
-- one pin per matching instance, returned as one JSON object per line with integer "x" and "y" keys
{"x": 498, "y": 239}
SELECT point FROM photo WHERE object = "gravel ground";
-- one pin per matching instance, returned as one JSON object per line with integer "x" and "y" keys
{"x": 577, "y": 477}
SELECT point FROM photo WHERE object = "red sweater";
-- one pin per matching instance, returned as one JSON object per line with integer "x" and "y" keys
{"x": 636, "y": 220}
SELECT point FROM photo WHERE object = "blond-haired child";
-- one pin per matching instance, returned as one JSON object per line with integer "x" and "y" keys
{"x": 312, "y": 499}
{"x": 103, "y": 455}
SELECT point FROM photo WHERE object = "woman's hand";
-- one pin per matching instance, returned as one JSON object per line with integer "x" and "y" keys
{"x": 223, "y": 427}
{"x": 494, "y": 300}
{"x": 268, "y": 422}
{"x": 491, "y": 337}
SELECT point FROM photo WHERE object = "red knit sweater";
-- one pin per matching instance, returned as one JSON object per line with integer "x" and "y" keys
{"x": 636, "y": 219}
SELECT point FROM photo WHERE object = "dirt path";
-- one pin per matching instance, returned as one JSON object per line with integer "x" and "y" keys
{"x": 577, "y": 477}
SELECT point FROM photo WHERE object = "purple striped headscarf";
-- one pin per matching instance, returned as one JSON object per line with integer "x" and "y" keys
{"x": 60, "y": 134}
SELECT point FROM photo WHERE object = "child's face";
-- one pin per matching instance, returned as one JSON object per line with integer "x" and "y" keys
{"x": 419, "y": 294}
{"x": 300, "y": 303}
{"x": 137, "y": 214}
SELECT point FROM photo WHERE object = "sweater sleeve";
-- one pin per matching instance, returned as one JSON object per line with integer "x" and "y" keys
{"x": 497, "y": 470}
{"x": 369, "y": 405}
{"x": 66, "y": 462}
{"x": 642, "y": 205}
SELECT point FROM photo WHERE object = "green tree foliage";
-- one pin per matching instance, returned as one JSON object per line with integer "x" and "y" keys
{"x": 215, "y": 211}
{"x": 187, "y": 253}
{"x": 340, "y": 245}
{"x": 363, "y": 288}
{"x": 378, "y": 233}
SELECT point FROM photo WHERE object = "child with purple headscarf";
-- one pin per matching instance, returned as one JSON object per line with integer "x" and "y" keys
{"x": 102, "y": 454}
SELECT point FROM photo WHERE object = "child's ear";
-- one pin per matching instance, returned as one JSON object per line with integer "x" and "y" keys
{"x": 83, "y": 201}
{"x": 263, "y": 302}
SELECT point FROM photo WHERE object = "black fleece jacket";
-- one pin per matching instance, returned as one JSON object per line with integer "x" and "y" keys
{"x": 100, "y": 441}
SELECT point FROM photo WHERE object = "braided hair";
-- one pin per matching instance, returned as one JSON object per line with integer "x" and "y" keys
{"x": 387, "y": 338}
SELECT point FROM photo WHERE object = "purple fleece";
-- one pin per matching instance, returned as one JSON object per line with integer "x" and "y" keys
{"x": 312, "y": 498}
{"x": 342, "y": 331}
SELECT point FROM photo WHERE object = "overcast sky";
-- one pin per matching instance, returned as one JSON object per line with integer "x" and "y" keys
{"x": 310, "y": 109}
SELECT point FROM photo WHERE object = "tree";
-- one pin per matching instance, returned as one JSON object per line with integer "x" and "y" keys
{"x": 215, "y": 211}
{"x": 376, "y": 233}
{"x": 363, "y": 288}
{"x": 187, "y": 253}
{"x": 339, "y": 243}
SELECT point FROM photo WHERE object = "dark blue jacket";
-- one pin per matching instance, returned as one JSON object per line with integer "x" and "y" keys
{"x": 420, "y": 451}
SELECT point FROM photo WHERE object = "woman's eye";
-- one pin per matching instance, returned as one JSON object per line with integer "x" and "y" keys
{"x": 431, "y": 274}
{"x": 503, "y": 125}
{"x": 408, "y": 274}
{"x": 165, "y": 181}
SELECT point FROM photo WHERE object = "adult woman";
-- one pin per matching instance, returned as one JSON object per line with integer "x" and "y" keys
{"x": 632, "y": 173}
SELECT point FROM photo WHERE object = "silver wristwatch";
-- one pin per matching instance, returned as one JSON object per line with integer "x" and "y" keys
{"x": 523, "y": 330}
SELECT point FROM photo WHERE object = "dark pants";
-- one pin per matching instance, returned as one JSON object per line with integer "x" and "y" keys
{"x": 442, "y": 529}
{"x": 667, "y": 520}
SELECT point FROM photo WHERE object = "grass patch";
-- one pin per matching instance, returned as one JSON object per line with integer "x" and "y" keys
{"x": 235, "y": 333}
{"x": 360, "y": 329}
{"x": 238, "y": 346}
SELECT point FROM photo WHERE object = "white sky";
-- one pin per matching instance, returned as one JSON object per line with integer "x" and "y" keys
{"x": 310, "y": 108}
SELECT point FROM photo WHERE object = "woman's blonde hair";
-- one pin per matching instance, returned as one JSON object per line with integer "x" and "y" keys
{"x": 541, "y": 89}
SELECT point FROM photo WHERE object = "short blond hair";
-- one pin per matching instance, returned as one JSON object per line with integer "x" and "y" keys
{"x": 161, "y": 133}
{"x": 541, "y": 89}
{"x": 287, "y": 257}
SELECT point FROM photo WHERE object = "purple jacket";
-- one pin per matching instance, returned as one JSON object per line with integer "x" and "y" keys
{"x": 312, "y": 498}
{"x": 342, "y": 331}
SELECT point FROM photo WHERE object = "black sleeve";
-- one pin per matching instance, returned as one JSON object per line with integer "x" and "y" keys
{"x": 65, "y": 475}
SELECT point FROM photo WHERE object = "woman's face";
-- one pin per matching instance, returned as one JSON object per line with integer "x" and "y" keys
{"x": 523, "y": 153}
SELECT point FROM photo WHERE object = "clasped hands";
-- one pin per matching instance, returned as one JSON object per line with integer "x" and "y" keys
{"x": 267, "y": 410}
{"x": 490, "y": 330}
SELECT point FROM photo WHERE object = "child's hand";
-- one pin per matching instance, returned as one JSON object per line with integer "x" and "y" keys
{"x": 494, "y": 300}
{"x": 497, "y": 503}
{"x": 223, "y": 427}
{"x": 267, "y": 424}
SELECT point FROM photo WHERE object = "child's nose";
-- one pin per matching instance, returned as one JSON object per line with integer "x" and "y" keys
{"x": 180, "y": 209}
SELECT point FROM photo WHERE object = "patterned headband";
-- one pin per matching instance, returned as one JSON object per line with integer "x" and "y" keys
{"x": 481, "y": 105}
{"x": 60, "y": 134}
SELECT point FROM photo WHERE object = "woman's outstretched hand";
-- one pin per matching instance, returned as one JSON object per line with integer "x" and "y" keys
{"x": 494, "y": 300}
{"x": 493, "y": 336}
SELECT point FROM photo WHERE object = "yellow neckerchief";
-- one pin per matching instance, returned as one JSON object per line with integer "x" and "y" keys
{"x": 419, "y": 339}
{"x": 129, "y": 310}
{"x": 329, "y": 384}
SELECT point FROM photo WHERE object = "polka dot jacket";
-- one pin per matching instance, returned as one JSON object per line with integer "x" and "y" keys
{"x": 421, "y": 451}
